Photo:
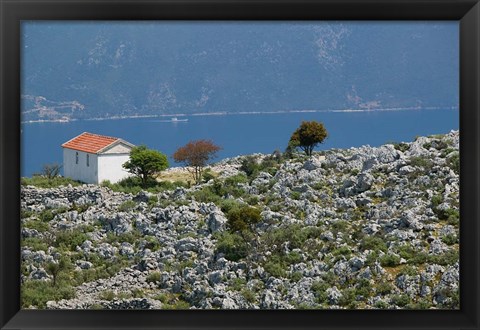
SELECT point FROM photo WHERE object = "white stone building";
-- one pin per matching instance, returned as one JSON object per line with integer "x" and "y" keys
{"x": 93, "y": 158}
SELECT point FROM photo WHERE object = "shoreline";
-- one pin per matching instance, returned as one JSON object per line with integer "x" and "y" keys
{"x": 224, "y": 113}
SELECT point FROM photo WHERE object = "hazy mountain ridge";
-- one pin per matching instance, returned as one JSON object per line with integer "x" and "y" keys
{"x": 115, "y": 69}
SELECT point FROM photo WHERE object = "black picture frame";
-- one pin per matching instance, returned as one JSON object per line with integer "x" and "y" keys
{"x": 467, "y": 12}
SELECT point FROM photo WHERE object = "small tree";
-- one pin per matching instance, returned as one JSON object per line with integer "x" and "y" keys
{"x": 196, "y": 155}
{"x": 51, "y": 171}
{"x": 55, "y": 268}
{"x": 307, "y": 136}
{"x": 145, "y": 163}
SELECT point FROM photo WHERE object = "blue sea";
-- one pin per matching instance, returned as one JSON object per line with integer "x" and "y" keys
{"x": 237, "y": 134}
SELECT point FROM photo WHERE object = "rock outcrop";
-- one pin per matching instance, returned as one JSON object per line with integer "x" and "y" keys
{"x": 357, "y": 228}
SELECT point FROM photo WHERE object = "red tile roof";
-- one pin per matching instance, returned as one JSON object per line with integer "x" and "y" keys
{"x": 88, "y": 142}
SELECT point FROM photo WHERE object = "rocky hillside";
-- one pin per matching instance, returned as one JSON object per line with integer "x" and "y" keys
{"x": 356, "y": 228}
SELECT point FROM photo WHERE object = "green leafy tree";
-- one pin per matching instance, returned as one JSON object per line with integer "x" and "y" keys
{"x": 145, "y": 163}
{"x": 196, "y": 155}
{"x": 307, "y": 136}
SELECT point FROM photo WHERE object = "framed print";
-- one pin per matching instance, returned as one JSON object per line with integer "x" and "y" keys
{"x": 245, "y": 164}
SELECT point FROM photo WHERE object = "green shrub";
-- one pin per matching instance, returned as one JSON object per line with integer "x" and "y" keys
{"x": 380, "y": 304}
{"x": 46, "y": 215}
{"x": 207, "y": 195}
{"x": 70, "y": 238}
{"x": 408, "y": 270}
{"x": 363, "y": 288}
{"x": 35, "y": 243}
{"x": 243, "y": 218}
{"x": 342, "y": 251}
{"x": 373, "y": 243}
{"x": 389, "y": 260}
{"x": 454, "y": 163}
{"x": 293, "y": 258}
{"x": 445, "y": 259}
{"x": 107, "y": 295}
{"x": 275, "y": 268}
{"x": 208, "y": 175}
{"x": 154, "y": 277}
{"x": 228, "y": 204}
{"x": 449, "y": 239}
{"x": 26, "y": 213}
{"x": 249, "y": 295}
{"x": 250, "y": 166}
{"x": 418, "y": 258}
{"x": 401, "y": 300}
{"x": 436, "y": 200}
{"x": 401, "y": 146}
{"x": 295, "y": 234}
{"x": 236, "y": 179}
{"x": 127, "y": 206}
{"x": 295, "y": 195}
{"x": 238, "y": 284}
{"x": 420, "y": 161}
{"x": 348, "y": 298}
{"x": 37, "y": 293}
{"x": 37, "y": 225}
{"x": 233, "y": 246}
{"x": 383, "y": 288}
{"x": 406, "y": 251}
{"x": 320, "y": 290}
{"x": 296, "y": 276}
{"x": 340, "y": 226}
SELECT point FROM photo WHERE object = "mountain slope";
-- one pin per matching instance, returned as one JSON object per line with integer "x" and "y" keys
{"x": 125, "y": 69}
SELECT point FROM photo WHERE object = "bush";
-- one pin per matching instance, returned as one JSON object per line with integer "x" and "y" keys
{"x": 419, "y": 161}
{"x": 454, "y": 163}
{"x": 295, "y": 234}
{"x": 250, "y": 166}
{"x": 154, "y": 277}
{"x": 243, "y": 218}
{"x": 275, "y": 268}
{"x": 373, "y": 243}
{"x": 107, "y": 295}
{"x": 37, "y": 225}
{"x": 127, "y": 206}
{"x": 37, "y": 293}
{"x": 233, "y": 246}
{"x": 320, "y": 290}
{"x": 70, "y": 239}
{"x": 401, "y": 146}
{"x": 401, "y": 300}
{"x": 384, "y": 288}
{"x": 389, "y": 260}
{"x": 207, "y": 195}
{"x": 46, "y": 215}
{"x": 208, "y": 175}
{"x": 436, "y": 200}
{"x": 249, "y": 295}
{"x": 227, "y": 205}
{"x": 449, "y": 239}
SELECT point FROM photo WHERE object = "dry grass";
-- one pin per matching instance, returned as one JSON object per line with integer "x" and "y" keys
{"x": 179, "y": 174}
{"x": 176, "y": 175}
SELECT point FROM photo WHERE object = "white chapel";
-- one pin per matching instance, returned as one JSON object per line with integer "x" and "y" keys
{"x": 93, "y": 158}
